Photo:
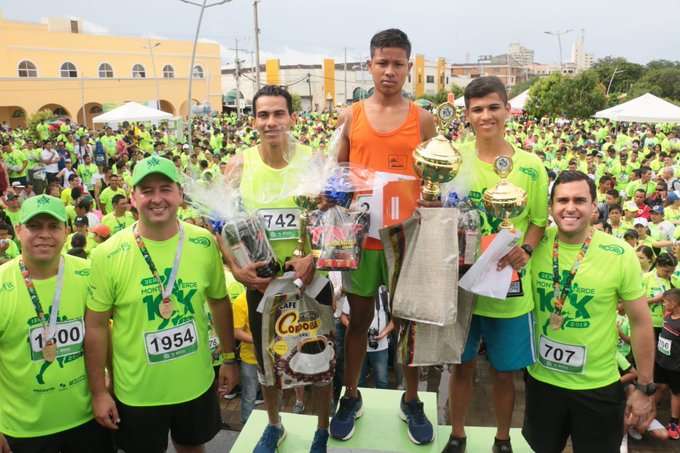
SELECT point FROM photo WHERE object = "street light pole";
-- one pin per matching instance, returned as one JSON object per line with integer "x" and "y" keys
{"x": 612, "y": 79}
{"x": 559, "y": 34}
{"x": 257, "y": 44}
{"x": 155, "y": 76}
{"x": 204, "y": 5}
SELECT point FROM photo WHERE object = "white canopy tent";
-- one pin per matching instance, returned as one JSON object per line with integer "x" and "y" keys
{"x": 644, "y": 109}
{"x": 132, "y": 111}
{"x": 518, "y": 102}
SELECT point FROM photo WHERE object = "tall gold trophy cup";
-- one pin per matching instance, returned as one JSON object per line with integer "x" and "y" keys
{"x": 505, "y": 200}
{"x": 437, "y": 161}
{"x": 307, "y": 204}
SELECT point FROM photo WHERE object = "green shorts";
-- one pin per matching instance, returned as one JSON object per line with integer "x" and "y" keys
{"x": 371, "y": 274}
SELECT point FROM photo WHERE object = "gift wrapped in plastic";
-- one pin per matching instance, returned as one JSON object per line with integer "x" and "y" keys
{"x": 337, "y": 237}
{"x": 298, "y": 334}
{"x": 245, "y": 235}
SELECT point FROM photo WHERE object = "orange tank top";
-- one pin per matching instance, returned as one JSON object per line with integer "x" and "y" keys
{"x": 390, "y": 152}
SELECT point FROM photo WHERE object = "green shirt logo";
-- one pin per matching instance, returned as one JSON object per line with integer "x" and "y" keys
{"x": 201, "y": 240}
{"x": 615, "y": 249}
{"x": 530, "y": 172}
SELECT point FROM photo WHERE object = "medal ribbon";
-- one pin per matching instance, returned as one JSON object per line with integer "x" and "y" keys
{"x": 51, "y": 329}
{"x": 562, "y": 292}
{"x": 166, "y": 290}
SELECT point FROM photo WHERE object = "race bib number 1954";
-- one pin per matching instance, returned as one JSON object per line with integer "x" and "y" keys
{"x": 567, "y": 358}
{"x": 168, "y": 344}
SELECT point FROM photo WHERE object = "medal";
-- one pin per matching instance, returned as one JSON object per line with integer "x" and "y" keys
{"x": 165, "y": 308}
{"x": 49, "y": 351}
{"x": 556, "y": 320}
{"x": 561, "y": 293}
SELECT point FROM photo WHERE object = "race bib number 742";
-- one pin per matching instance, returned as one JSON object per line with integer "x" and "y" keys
{"x": 567, "y": 358}
{"x": 280, "y": 223}
{"x": 169, "y": 344}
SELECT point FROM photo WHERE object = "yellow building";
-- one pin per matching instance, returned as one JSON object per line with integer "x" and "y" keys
{"x": 56, "y": 66}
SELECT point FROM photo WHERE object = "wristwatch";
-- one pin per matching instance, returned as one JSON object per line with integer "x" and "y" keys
{"x": 528, "y": 249}
{"x": 647, "y": 389}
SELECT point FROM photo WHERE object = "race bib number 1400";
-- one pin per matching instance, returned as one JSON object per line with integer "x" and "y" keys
{"x": 169, "y": 344}
{"x": 567, "y": 358}
{"x": 69, "y": 337}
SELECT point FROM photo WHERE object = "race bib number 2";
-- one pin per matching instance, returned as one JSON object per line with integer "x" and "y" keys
{"x": 567, "y": 358}
{"x": 169, "y": 344}
{"x": 69, "y": 337}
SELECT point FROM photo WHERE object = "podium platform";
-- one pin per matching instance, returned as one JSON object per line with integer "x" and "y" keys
{"x": 379, "y": 429}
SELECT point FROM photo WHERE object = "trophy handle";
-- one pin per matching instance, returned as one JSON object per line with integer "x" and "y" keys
{"x": 299, "y": 251}
{"x": 431, "y": 191}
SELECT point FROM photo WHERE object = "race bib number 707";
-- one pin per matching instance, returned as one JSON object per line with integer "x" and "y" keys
{"x": 563, "y": 357}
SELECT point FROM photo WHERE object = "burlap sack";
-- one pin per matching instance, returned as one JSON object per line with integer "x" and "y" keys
{"x": 422, "y": 263}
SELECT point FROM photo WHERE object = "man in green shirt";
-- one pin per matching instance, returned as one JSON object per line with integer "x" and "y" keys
{"x": 45, "y": 404}
{"x": 573, "y": 390}
{"x": 121, "y": 217}
{"x": 504, "y": 324}
{"x": 106, "y": 196}
{"x": 161, "y": 361}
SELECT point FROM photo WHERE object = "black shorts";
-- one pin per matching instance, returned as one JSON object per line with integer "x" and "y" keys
{"x": 144, "y": 429}
{"x": 593, "y": 418}
{"x": 89, "y": 437}
{"x": 253, "y": 296}
{"x": 669, "y": 377}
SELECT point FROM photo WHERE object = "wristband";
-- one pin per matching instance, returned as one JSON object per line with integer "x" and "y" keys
{"x": 228, "y": 357}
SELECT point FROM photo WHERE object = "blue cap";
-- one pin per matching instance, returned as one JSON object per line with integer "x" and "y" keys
{"x": 657, "y": 209}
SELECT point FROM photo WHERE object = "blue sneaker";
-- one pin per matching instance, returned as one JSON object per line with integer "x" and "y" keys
{"x": 270, "y": 440}
{"x": 320, "y": 441}
{"x": 342, "y": 424}
{"x": 419, "y": 427}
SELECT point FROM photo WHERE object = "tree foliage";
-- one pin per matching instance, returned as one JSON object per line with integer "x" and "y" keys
{"x": 443, "y": 95}
{"x": 571, "y": 97}
{"x": 521, "y": 87}
{"x": 297, "y": 102}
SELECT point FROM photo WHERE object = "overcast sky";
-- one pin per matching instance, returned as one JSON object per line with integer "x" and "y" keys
{"x": 303, "y": 31}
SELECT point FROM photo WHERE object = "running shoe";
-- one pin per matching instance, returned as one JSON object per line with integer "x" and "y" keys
{"x": 455, "y": 445}
{"x": 420, "y": 429}
{"x": 673, "y": 431}
{"x": 298, "y": 407}
{"x": 342, "y": 424}
{"x": 501, "y": 446}
{"x": 270, "y": 440}
{"x": 320, "y": 441}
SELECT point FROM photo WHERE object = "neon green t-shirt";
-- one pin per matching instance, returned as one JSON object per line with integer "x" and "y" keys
{"x": 581, "y": 354}
{"x": 86, "y": 172}
{"x": 117, "y": 224}
{"x": 655, "y": 285}
{"x": 107, "y": 195}
{"x": 267, "y": 192}
{"x": 38, "y": 398}
{"x": 158, "y": 361}
{"x": 15, "y": 162}
{"x": 623, "y": 324}
{"x": 529, "y": 174}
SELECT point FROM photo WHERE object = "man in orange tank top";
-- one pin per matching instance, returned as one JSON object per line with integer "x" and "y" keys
{"x": 380, "y": 133}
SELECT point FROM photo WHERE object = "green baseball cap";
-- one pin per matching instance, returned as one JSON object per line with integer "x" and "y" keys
{"x": 42, "y": 204}
{"x": 154, "y": 164}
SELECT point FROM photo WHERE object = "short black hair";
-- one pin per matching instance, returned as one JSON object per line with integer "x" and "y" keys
{"x": 392, "y": 37}
{"x": 483, "y": 86}
{"x": 673, "y": 294}
{"x": 116, "y": 198}
{"x": 631, "y": 234}
{"x": 666, "y": 260}
{"x": 616, "y": 207}
{"x": 273, "y": 90}
{"x": 574, "y": 176}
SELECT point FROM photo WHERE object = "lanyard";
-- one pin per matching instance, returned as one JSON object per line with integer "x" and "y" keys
{"x": 562, "y": 292}
{"x": 50, "y": 330}
{"x": 167, "y": 289}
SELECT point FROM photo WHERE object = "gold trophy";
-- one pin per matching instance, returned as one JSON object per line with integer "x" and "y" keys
{"x": 505, "y": 200}
{"x": 307, "y": 204}
{"x": 436, "y": 160}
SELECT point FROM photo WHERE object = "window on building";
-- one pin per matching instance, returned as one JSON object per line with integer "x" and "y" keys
{"x": 430, "y": 79}
{"x": 198, "y": 72}
{"x": 105, "y": 71}
{"x": 27, "y": 69}
{"x": 138, "y": 72}
{"x": 447, "y": 80}
{"x": 68, "y": 70}
{"x": 168, "y": 72}
{"x": 74, "y": 26}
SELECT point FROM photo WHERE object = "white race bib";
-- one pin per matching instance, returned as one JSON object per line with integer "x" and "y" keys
{"x": 664, "y": 346}
{"x": 171, "y": 343}
{"x": 69, "y": 336}
{"x": 567, "y": 358}
{"x": 213, "y": 343}
{"x": 280, "y": 223}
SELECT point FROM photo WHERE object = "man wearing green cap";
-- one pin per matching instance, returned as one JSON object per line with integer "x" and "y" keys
{"x": 153, "y": 278}
{"x": 45, "y": 404}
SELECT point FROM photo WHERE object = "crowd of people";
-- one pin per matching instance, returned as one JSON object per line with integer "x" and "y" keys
{"x": 594, "y": 320}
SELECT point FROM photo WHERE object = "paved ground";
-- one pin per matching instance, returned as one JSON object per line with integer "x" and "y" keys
{"x": 481, "y": 413}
